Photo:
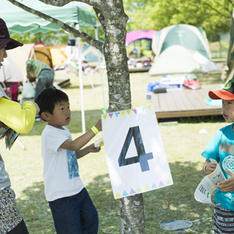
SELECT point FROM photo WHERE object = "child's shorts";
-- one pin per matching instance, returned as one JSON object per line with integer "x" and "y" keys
{"x": 223, "y": 220}
{"x": 9, "y": 213}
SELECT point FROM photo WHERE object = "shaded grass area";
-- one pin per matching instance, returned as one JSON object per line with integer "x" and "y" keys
{"x": 170, "y": 203}
{"x": 183, "y": 145}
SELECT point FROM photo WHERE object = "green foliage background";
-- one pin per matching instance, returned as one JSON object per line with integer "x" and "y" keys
{"x": 214, "y": 16}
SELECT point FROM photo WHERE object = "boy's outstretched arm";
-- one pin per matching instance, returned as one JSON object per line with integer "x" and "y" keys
{"x": 228, "y": 184}
{"x": 81, "y": 141}
{"x": 208, "y": 167}
{"x": 89, "y": 149}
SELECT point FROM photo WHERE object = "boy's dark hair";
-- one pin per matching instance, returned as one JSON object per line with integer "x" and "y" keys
{"x": 47, "y": 99}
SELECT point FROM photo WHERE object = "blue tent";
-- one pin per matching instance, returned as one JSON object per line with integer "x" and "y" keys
{"x": 91, "y": 54}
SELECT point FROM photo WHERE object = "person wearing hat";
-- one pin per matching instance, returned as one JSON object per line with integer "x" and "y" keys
{"x": 221, "y": 148}
{"x": 21, "y": 119}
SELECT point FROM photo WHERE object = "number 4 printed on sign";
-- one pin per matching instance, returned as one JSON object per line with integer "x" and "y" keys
{"x": 135, "y": 154}
{"x": 142, "y": 157}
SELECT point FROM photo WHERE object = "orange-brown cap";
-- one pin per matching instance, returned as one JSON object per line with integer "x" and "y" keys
{"x": 227, "y": 93}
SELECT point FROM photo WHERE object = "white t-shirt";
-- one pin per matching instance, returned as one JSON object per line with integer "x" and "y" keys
{"x": 61, "y": 171}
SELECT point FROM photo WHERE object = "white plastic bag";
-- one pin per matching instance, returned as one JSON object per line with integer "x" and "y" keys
{"x": 28, "y": 90}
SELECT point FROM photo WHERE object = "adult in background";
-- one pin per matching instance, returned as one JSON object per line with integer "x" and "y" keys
{"x": 42, "y": 73}
{"x": 21, "y": 119}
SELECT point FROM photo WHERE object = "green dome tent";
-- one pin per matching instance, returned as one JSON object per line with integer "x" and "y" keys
{"x": 181, "y": 49}
{"x": 188, "y": 36}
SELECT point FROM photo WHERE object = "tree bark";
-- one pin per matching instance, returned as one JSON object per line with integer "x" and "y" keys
{"x": 131, "y": 208}
{"x": 132, "y": 215}
{"x": 116, "y": 58}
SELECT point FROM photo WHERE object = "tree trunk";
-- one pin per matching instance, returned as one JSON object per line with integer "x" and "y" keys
{"x": 132, "y": 215}
{"x": 131, "y": 208}
{"x": 117, "y": 67}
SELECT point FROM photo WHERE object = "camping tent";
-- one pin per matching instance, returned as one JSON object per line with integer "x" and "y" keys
{"x": 181, "y": 49}
{"x": 20, "y": 21}
{"x": 91, "y": 54}
{"x": 188, "y": 36}
{"x": 88, "y": 53}
{"x": 139, "y": 35}
{"x": 57, "y": 55}
{"x": 42, "y": 53}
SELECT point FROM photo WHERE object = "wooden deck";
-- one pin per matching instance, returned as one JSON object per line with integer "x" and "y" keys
{"x": 62, "y": 82}
{"x": 183, "y": 103}
{"x": 136, "y": 69}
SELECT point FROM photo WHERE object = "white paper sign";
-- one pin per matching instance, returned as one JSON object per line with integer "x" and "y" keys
{"x": 135, "y": 153}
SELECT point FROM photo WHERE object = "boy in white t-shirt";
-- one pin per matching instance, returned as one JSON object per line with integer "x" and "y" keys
{"x": 72, "y": 208}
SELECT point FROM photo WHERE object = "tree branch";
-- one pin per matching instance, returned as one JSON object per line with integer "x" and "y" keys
{"x": 101, "y": 18}
{"x": 219, "y": 13}
{"x": 230, "y": 1}
{"x": 77, "y": 33}
{"x": 93, "y": 3}
{"x": 226, "y": 9}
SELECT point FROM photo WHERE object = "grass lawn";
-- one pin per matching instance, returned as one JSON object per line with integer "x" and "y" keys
{"x": 183, "y": 145}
